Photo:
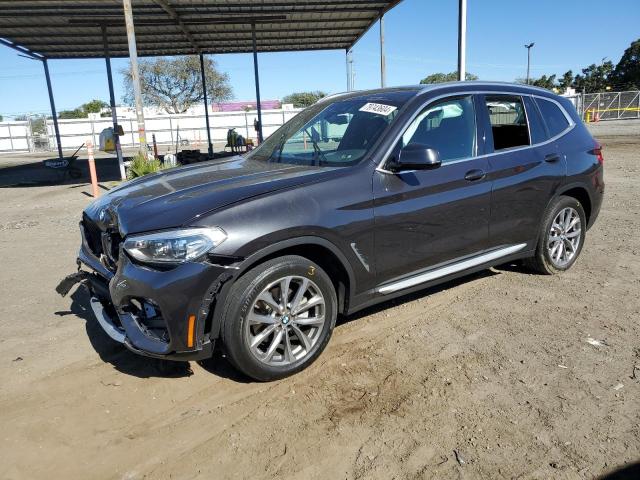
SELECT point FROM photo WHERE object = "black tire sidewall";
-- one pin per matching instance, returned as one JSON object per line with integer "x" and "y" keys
{"x": 240, "y": 301}
{"x": 559, "y": 204}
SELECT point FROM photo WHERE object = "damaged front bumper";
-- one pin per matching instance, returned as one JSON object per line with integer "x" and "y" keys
{"x": 157, "y": 313}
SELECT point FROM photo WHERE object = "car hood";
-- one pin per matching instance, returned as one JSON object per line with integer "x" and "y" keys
{"x": 176, "y": 197}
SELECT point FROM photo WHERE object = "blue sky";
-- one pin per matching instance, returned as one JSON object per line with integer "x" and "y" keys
{"x": 420, "y": 40}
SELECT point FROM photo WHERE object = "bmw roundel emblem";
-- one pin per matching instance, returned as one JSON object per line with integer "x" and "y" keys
{"x": 103, "y": 215}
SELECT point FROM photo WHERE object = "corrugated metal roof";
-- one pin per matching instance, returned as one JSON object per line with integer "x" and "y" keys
{"x": 72, "y": 28}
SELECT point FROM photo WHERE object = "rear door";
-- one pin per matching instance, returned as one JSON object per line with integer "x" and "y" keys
{"x": 525, "y": 168}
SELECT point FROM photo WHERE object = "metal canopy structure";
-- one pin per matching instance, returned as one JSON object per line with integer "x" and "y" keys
{"x": 71, "y": 28}
{"x": 76, "y": 29}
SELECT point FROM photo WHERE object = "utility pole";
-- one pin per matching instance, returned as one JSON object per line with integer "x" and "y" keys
{"x": 529, "y": 47}
{"x": 135, "y": 75}
{"x": 462, "y": 40}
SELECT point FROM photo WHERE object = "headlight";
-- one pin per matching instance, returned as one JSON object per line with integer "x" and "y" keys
{"x": 174, "y": 246}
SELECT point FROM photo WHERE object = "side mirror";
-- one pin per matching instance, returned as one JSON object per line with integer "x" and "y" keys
{"x": 416, "y": 156}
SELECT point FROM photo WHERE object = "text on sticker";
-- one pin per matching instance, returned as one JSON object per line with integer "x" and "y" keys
{"x": 378, "y": 108}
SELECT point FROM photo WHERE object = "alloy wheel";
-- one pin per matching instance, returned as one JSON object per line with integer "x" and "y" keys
{"x": 564, "y": 237}
{"x": 285, "y": 321}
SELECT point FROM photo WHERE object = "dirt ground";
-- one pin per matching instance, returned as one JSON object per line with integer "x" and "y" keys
{"x": 488, "y": 377}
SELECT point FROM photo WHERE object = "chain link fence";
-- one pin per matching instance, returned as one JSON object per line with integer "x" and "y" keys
{"x": 594, "y": 107}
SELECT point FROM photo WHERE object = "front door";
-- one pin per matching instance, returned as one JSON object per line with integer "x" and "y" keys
{"x": 425, "y": 218}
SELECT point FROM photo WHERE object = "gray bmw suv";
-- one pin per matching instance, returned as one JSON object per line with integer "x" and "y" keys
{"x": 360, "y": 198}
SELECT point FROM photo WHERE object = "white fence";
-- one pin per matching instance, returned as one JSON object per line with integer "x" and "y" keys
{"x": 15, "y": 137}
{"x": 168, "y": 129}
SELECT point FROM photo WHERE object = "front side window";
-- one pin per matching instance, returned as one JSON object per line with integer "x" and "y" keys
{"x": 334, "y": 134}
{"x": 508, "y": 121}
{"x": 448, "y": 126}
{"x": 553, "y": 117}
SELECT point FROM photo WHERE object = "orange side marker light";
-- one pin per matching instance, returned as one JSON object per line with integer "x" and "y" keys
{"x": 191, "y": 328}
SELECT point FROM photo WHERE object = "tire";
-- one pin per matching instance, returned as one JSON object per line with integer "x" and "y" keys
{"x": 255, "y": 320}
{"x": 550, "y": 257}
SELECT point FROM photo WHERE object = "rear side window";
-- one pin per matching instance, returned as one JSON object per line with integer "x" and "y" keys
{"x": 536, "y": 125}
{"x": 553, "y": 117}
{"x": 508, "y": 121}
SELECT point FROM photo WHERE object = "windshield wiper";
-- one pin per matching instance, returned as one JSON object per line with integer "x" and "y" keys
{"x": 316, "y": 148}
{"x": 281, "y": 143}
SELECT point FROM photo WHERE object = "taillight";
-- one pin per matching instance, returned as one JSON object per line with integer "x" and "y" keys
{"x": 597, "y": 151}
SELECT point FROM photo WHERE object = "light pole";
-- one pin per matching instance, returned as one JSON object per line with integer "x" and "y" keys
{"x": 528, "y": 47}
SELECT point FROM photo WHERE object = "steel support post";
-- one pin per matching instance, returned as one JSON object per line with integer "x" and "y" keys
{"x": 112, "y": 103}
{"x": 206, "y": 105}
{"x": 257, "y": 81}
{"x": 383, "y": 60}
{"x": 54, "y": 114}
{"x": 346, "y": 59}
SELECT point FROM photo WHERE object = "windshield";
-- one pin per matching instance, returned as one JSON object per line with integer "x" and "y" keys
{"x": 334, "y": 134}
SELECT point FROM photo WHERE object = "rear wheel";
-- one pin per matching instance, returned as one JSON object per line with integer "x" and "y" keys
{"x": 279, "y": 317}
{"x": 561, "y": 237}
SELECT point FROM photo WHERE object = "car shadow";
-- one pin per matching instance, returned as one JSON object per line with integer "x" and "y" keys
{"x": 146, "y": 367}
{"x": 630, "y": 471}
{"x": 516, "y": 267}
{"x": 220, "y": 366}
{"x": 116, "y": 354}
{"x": 342, "y": 320}
{"x": 33, "y": 173}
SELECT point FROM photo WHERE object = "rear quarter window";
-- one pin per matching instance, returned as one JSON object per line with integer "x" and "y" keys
{"x": 554, "y": 118}
{"x": 536, "y": 125}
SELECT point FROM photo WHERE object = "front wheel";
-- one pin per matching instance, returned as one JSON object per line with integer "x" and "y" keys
{"x": 561, "y": 237}
{"x": 279, "y": 317}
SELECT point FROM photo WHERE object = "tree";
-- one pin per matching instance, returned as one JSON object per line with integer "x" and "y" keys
{"x": 83, "y": 111}
{"x": 594, "y": 78}
{"x": 546, "y": 82}
{"x": 304, "y": 99}
{"x": 1, "y": 118}
{"x": 543, "y": 82}
{"x": 94, "y": 106}
{"x": 39, "y": 125}
{"x": 174, "y": 84}
{"x": 566, "y": 80}
{"x": 626, "y": 75}
{"x": 75, "y": 113}
{"x": 446, "y": 77}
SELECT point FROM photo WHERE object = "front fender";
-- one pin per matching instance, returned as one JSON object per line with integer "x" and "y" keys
{"x": 242, "y": 266}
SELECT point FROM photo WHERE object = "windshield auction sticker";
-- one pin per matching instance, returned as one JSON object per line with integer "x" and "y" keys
{"x": 378, "y": 108}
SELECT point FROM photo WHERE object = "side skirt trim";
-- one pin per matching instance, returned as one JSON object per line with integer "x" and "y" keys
{"x": 449, "y": 269}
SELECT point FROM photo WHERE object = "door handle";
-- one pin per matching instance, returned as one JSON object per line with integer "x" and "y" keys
{"x": 552, "y": 158}
{"x": 473, "y": 175}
